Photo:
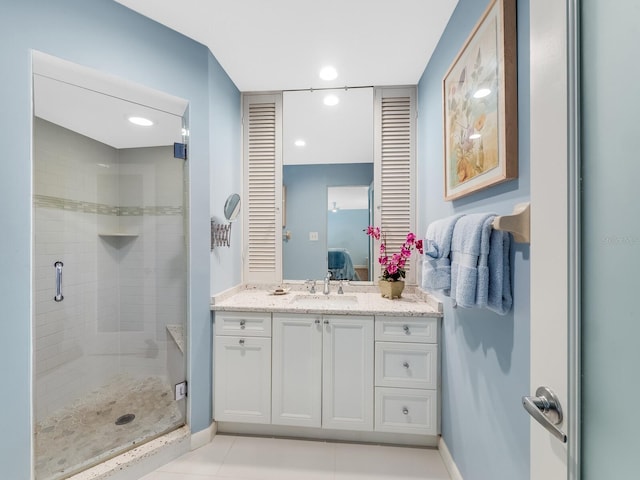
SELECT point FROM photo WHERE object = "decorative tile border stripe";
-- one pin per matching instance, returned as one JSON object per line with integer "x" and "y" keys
{"x": 104, "y": 209}
{"x": 159, "y": 211}
{"x": 74, "y": 205}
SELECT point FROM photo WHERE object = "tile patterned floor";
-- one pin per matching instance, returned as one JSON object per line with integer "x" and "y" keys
{"x": 230, "y": 457}
{"x": 85, "y": 433}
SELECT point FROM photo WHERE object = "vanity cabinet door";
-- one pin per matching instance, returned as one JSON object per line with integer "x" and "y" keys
{"x": 243, "y": 379}
{"x": 347, "y": 382}
{"x": 297, "y": 370}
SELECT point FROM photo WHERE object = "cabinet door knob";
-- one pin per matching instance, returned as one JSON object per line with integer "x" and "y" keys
{"x": 326, "y": 322}
{"x": 405, "y": 410}
{"x": 406, "y": 329}
{"x": 405, "y": 364}
{"x": 242, "y": 324}
{"x": 241, "y": 341}
{"x": 317, "y": 322}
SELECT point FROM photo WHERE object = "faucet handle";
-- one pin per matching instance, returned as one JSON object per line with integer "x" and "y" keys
{"x": 312, "y": 284}
{"x": 340, "y": 291}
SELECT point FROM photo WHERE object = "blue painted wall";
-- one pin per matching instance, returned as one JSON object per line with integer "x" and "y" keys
{"x": 226, "y": 172}
{"x": 106, "y": 36}
{"x": 307, "y": 212}
{"x": 485, "y": 357}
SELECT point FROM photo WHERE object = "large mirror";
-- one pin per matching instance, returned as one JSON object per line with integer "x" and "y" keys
{"x": 328, "y": 177}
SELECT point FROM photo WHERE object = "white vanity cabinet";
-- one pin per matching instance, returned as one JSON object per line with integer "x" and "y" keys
{"x": 323, "y": 371}
{"x": 406, "y": 375}
{"x": 242, "y": 361}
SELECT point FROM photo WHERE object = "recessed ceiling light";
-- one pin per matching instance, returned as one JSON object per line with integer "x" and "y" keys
{"x": 300, "y": 143}
{"x": 331, "y": 100}
{"x": 141, "y": 121}
{"x": 328, "y": 73}
{"x": 481, "y": 92}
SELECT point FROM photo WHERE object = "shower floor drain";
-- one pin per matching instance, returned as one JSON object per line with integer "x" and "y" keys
{"x": 124, "y": 419}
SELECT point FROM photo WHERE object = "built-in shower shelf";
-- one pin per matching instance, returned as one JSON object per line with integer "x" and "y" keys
{"x": 118, "y": 234}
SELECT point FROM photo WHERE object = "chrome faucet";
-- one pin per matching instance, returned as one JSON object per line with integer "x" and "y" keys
{"x": 325, "y": 290}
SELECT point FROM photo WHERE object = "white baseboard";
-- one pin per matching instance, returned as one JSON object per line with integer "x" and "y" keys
{"x": 201, "y": 438}
{"x": 448, "y": 461}
{"x": 285, "y": 431}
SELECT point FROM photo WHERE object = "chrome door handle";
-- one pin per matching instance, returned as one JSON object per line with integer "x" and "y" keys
{"x": 545, "y": 408}
{"x": 58, "y": 266}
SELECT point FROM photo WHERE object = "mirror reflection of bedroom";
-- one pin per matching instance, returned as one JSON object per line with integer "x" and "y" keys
{"x": 348, "y": 213}
{"x": 328, "y": 174}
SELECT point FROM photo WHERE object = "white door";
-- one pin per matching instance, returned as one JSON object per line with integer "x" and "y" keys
{"x": 550, "y": 251}
{"x": 591, "y": 368}
{"x": 347, "y": 382}
{"x": 243, "y": 386}
{"x": 297, "y": 370}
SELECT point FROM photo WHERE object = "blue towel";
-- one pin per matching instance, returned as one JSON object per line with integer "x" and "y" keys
{"x": 336, "y": 259}
{"x": 499, "y": 289}
{"x": 436, "y": 264}
{"x": 470, "y": 247}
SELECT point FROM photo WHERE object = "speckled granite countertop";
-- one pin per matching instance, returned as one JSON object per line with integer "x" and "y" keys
{"x": 357, "y": 300}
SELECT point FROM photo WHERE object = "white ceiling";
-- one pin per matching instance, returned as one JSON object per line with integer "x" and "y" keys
{"x": 354, "y": 197}
{"x": 262, "y": 45}
{"x": 341, "y": 133}
{"x": 97, "y": 105}
{"x": 282, "y": 44}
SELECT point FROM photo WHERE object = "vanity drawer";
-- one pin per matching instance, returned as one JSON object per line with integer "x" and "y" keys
{"x": 402, "y": 410}
{"x": 407, "y": 329}
{"x": 406, "y": 365}
{"x": 246, "y": 324}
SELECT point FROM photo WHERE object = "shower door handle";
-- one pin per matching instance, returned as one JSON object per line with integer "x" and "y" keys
{"x": 545, "y": 408}
{"x": 58, "y": 266}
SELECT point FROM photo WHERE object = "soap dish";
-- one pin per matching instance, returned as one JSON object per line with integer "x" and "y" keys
{"x": 280, "y": 291}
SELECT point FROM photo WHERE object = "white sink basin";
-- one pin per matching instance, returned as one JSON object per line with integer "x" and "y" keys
{"x": 320, "y": 300}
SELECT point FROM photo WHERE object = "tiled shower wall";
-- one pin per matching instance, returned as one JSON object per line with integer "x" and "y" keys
{"x": 120, "y": 291}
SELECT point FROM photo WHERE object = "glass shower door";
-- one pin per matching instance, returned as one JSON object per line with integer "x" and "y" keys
{"x": 610, "y": 239}
{"x": 110, "y": 261}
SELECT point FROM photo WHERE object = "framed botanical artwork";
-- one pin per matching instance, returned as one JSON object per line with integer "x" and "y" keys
{"x": 480, "y": 103}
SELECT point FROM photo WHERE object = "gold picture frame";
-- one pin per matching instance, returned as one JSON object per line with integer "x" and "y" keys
{"x": 480, "y": 106}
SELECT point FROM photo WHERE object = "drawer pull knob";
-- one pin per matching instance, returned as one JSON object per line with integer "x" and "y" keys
{"x": 242, "y": 324}
{"x": 405, "y": 364}
{"x": 405, "y": 410}
{"x": 406, "y": 329}
{"x": 241, "y": 341}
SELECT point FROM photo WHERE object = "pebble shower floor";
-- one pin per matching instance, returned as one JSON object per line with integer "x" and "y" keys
{"x": 85, "y": 433}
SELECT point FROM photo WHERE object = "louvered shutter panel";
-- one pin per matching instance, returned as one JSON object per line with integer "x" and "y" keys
{"x": 395, "y": 169}
{"x": 263, "y": 187}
